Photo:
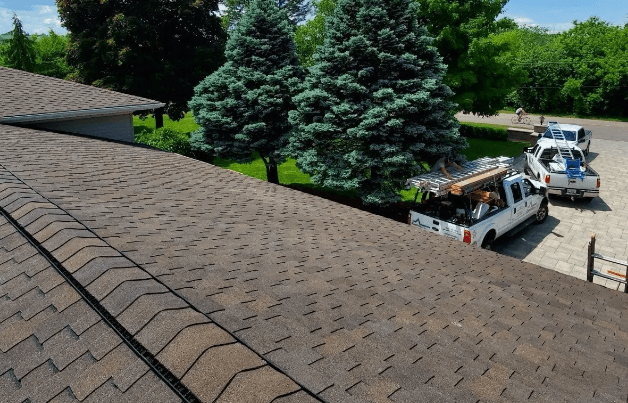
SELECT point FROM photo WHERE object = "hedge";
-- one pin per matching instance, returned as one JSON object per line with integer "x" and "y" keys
{"x": 481, "y": 131}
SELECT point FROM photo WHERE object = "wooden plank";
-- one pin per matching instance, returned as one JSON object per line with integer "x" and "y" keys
{"x": 467, "y": 185}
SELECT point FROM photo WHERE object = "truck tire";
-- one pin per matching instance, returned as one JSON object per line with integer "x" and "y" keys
{"x": 586, "y": 152}
{"x": 487, "y": 243}
{"x": 541, "y": 214}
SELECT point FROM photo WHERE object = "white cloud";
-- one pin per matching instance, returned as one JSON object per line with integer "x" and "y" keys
{"x": 38, "y": 20}
{"x": 556, "y": 27}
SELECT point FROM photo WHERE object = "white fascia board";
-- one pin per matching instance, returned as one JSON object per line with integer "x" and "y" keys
{"x": 81, "y": 114}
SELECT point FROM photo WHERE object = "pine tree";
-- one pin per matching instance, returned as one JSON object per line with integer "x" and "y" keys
{"x": 374, "y": 106}
{"x": 20, "y": 50}
{"x": 243, "y": 107}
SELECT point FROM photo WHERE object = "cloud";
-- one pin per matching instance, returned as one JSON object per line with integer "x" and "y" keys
{"x": 555, "y": 27}
{"x": 38, "y": 20}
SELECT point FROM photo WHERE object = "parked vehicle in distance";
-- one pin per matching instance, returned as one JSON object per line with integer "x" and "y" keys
{"x": 480, "y": 204}
{"x": 575, "y": 136}
{"x": 562, "y": 176}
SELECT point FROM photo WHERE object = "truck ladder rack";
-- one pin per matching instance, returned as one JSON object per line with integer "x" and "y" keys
{"x": 439, "y": 184}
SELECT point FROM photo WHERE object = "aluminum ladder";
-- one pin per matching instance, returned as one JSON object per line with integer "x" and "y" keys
{"x": 561, "y": 143}
{"x": 572, "y": 164}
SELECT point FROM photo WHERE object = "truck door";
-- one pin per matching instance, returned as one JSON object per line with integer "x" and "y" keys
{"x": 516, "y": 201}
{"x": 532, "y": 160}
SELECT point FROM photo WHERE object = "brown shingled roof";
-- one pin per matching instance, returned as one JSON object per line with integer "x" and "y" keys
{"x": 52, "y": 344}
{"x": 27, "y": 96}
{"x": 352, "y": 306}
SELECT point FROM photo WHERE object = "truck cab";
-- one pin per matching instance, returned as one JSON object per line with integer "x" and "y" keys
{"x": 576, "y": 136}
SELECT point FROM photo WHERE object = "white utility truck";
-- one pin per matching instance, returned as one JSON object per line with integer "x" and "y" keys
{"x": 481, "y": 203}
{"x": 575, "y": 136}
{"x": 562, "y": 167}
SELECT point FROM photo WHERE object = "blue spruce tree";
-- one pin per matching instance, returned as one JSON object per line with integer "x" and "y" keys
{"x": 374, "y": 106}
{"x": 243, "y": 107}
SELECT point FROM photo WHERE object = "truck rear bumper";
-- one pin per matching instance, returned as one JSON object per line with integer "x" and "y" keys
{"x": 577, "y": 193}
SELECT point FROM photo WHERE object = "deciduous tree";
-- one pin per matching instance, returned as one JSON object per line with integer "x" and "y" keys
{"x": 51, "y": 50}
{"x": 309, "y": 36}
{"x": 297, "y": 10}
{"x": 158, "y": 49}
{"x": 243, "y": 107}
{"x": 464, "y": 33}
{"x": 374, "y": 105}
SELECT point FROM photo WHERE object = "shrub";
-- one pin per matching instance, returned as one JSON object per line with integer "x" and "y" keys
{"x": 479, "y": 131}
{"x": 166, "y": 139}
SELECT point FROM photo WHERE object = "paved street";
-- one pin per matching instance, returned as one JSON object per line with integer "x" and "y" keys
{"x": 561, "y": 242}
{"x": 602, "y": 129}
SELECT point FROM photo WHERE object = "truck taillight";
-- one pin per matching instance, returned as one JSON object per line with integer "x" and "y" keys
{"x": 467, "y": 236}
{"x": 547, "y": 179}
{"x": 598, "y": 182}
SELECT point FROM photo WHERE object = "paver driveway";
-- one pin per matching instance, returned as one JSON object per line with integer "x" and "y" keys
{"x": 561, "y": 242}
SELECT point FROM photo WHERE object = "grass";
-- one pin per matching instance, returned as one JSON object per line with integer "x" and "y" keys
{"x": 491, "y": 125}
{"x": 185, "y": 125}
{"x": 575, "y": 116}
{"x": 288, "y": 171}
{"x": 289, "y": 174}
{"x": 491, "y": 148}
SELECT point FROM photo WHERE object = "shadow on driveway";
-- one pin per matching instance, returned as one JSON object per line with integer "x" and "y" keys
{"x": 520, "y": 244}
{"x": 597, "y": 204}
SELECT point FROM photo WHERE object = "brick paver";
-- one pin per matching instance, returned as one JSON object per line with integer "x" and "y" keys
{"x": 561, "y": 242}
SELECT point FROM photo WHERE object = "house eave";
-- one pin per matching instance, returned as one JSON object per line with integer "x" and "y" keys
{"x": 80, "y": 114}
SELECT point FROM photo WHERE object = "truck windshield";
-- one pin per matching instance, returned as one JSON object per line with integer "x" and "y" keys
{"x": 569, "y": 135}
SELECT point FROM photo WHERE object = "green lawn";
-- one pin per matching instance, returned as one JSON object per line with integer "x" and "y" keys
{"x": 185, "y": 125}
{"x": 490, "y": 148}
{"x": 289, "y": 174}
{"x": 494, "y": 126}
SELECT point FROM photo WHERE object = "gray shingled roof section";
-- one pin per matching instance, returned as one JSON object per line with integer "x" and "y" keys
{"x": 205, "y": 358}
{"x": 26, "y": 94}
{"x": 53, "y": 345}
{"x": 355, "y": 307}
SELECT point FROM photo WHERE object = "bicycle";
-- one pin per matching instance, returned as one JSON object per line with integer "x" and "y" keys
{"x": 524, "y": 119}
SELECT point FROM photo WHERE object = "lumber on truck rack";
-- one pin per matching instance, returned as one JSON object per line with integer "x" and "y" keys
{"x": 474, "y": 174}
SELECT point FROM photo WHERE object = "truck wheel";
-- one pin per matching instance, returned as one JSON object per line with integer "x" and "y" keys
{"x": 586, "y": 152}
{"x": 487, "y": 243}
{"x": 541, "y": 214}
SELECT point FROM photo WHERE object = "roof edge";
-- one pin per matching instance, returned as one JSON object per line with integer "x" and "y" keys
{"x": 87, "y": 113}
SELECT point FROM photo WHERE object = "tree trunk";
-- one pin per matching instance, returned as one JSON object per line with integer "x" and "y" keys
{"x": 272, "y": 175}
{"x": 271, "y": 172}
{"x": 159, "y": 118}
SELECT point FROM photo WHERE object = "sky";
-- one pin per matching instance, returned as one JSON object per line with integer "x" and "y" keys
{"x": 38, "y": 16}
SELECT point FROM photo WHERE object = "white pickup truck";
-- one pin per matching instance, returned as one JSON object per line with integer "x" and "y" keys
{"x": 577, "y": 181}
{"x": 575, "y": 136}
{"x": 478, "y": 205}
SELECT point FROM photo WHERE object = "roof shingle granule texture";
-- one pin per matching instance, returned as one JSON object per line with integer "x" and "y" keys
{"x": 207, "y": 360}
{"x": 354, "y": 307}
{"x": 25, "y": 93}
{"x": 53, "y": 345}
